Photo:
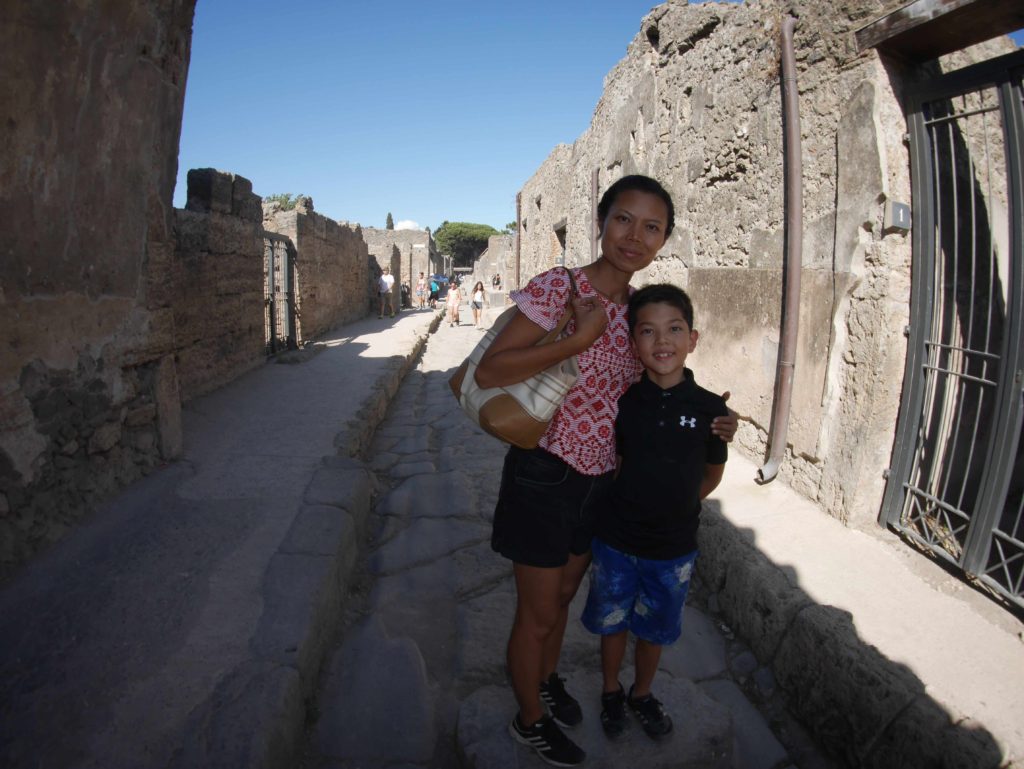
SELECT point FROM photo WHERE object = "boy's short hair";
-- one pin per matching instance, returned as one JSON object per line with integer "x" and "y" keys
{"x": 659, "y": 292}
{"x": 640, "y": 184}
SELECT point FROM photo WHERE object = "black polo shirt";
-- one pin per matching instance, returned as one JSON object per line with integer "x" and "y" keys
{"x": 664, "y": 438}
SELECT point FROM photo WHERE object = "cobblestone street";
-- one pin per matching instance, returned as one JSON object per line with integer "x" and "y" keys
{"x": 418, "y": 680}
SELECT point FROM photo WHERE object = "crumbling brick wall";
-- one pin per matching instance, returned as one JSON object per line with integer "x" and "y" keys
{"x": 218, "y": 282}
{"x": 332, "y": 270}
{"x": 92, "y": 106}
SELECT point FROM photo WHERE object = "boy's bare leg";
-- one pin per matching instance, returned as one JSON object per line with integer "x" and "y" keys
{"x": 613, "y": 650}
{"x": 647, "y": 657}
{"x": 537, "y": 618}
{"x": 572, "y": 576}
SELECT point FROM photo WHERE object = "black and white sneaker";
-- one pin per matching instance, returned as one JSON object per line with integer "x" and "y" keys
{"x": 547, "y": 739}
{"x": 613, "y": 713}
{"x": 651, "y": 714}
{"x": 562, "y": 706}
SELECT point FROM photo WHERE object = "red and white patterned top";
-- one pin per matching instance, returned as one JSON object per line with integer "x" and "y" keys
{"x": 583, "y": 430}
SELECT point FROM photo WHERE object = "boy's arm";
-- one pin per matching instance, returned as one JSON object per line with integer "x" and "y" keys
{"x": 712, "y": 477}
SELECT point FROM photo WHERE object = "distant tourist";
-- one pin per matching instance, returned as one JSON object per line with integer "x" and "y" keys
{"x": 477, "y": 302}
{"x": 435, "y": 291}
{"x": 421, "y": 291}
{"x": 384, "y": 286}
{"x": 454, "y": 300}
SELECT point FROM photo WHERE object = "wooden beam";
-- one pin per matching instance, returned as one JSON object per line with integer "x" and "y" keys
{"x": 925, "y": 29}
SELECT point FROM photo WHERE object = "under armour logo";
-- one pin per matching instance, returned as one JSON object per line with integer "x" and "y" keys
{"x": 684, "y": 422}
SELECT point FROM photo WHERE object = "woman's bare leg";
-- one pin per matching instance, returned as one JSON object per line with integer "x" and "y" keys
{"x": 537, "y": 618}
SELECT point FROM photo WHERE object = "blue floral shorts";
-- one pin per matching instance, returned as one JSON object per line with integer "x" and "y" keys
{"x": 641, "y": 595}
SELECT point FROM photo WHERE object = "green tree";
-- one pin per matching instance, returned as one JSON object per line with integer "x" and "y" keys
{"x": 285, "y": 199}
{"x": 465, "y": 241}
{"x": 510, "y": 228}
{"x": 390, "y": 224}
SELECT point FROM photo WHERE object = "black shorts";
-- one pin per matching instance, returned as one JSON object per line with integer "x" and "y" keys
{"x": 545, "y": 509}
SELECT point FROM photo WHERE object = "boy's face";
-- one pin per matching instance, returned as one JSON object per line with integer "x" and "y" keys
{"x": 662, "y": 340}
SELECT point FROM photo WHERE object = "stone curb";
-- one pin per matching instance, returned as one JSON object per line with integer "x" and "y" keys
{"x": 861, "y": 707}
{"x": 256, "y": 715}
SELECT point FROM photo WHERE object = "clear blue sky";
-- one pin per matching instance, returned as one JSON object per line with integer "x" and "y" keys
{"x": 430, "y": 110}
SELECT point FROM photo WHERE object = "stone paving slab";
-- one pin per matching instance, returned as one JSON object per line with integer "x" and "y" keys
{"x": 387, "y": 712}
{"x": 702, "y": 738}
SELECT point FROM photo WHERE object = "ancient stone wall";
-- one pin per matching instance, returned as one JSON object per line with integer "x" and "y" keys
{"x": 497, "y": 259}
{"x": 331, "y": 267}
{"x": 92, "y": 105}
{"x": 218, "y": 282}
{"x": 416, "y": 252}
{"x": 697, "y": 104}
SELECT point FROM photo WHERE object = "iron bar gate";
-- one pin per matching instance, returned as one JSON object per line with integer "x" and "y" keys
{"x": 956, "y": 479}
{"x": 279, "y": 325}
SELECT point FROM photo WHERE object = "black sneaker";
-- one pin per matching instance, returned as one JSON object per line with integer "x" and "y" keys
{"x": 547, "y": 739}
{"x": 562, "y": 706}
{"x": 651, "y": 714}
{"x": 613, "y": 713}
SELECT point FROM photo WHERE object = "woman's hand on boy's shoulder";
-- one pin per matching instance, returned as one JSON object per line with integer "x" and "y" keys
{"x": 725, "y": 426}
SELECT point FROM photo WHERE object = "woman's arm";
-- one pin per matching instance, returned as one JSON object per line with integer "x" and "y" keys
{"x": 514, "y": 356}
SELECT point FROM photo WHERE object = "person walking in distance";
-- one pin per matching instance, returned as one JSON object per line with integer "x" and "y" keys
{"x": 543, "y": 520}
{"x": 384, "y": 286}
{"x": 421, "y": 292}
{"x": 477, "y": 302}
{"x": 454, "y": 300}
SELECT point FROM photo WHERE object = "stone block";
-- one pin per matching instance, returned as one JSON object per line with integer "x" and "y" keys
{"x": 379, "y": 705}
{"x": 760, "y": 603}
{"x": 168, "y": 407}
{"x": 254, "y": 719}
{"x": 699, "y": 654}
{"x": 425, "y": 539}
{"x": 924, "y": 737}
{"x": 755, "y": 746}
{"x": 302, "y": 602}
{"x": 209, "y": 191}
{"x": 349, "y": 489}
{"x": 105, "y": 437}
{"x": 842, "y": 689}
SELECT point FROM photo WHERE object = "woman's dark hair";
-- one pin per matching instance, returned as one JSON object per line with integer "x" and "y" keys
{"x": 659, "y": 293}
{"x": 641, "y": 184}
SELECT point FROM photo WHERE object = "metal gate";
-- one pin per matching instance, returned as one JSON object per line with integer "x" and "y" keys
{"x": 279, "y": 324}
{"x": 955, "y": 483}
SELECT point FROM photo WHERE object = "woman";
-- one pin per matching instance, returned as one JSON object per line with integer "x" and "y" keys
{"x": 542, "y": 521}
{"x": 454, "y": 300}
{"x": 421, "y": 291}
{"x": 477, "y": 302}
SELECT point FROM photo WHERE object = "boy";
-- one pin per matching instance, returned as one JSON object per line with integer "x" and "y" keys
{"x": 645, "y": 542}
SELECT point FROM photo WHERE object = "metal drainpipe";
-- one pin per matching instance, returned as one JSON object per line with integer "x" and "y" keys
{"x": 794, "y": 256}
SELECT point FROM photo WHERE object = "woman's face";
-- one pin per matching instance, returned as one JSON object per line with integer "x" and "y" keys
{"x": 634, "y": 230}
